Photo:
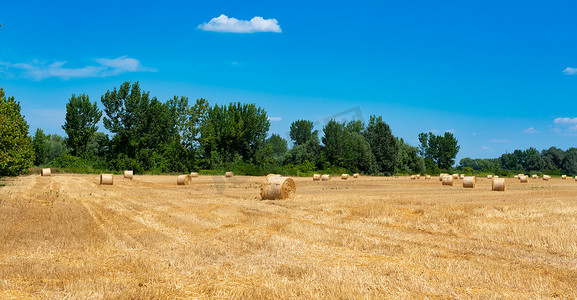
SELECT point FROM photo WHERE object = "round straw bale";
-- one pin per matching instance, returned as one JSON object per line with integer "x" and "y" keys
{"x": 184, "y": 179}
{"x": 326, "y": 177}
{"x": 462, "y": 176}
{"x": 413, "y": 177}
{"x": 516, "y": 176}
{"x": 448, "y": 180}
{"x": 45, "y": 172}
{"x": 470, "y": 182}
{"x": 229, "y": 174}
{"x": 496, "y": 176}
{"x": 563, "y": 177}
{"x": 535, "y": 176}
{"x": 455, "y": 176}
{"x": 498, "y": 184}
{"x": 277, "y": 188}
{"x": 575, "y": 178}
{"x": 106, "y": 179}
{"x": 194, "y": 174}
{"x": 489, "y": 176}
{"x": 344, "y": 176}
{"x": 427, "y": 176}
{"x": 418, "y": 176}
{"x": 524, "y": 179}
{"x": 128, "y": 174}
{"x": 356, "y": 175}
{"x": 546, "y": 177}
{"x": 316, "y": 177}
{"x": 442, "y": 175}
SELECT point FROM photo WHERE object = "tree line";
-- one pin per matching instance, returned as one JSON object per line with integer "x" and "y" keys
{"x": 178, "y": 135}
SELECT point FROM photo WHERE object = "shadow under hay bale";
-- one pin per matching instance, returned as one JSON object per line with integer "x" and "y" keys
{"x": 278, "y": 188}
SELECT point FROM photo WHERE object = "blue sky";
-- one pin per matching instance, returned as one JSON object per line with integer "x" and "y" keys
{"x": 500, "y": 75}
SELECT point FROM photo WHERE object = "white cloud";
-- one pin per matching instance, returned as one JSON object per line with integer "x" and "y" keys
{"x": 474, "y": 134}
{"x": 105, "y": 67}
{"x": 226, "y": 24}
{"x": 450, "y": 130}
{"x": 531, "y": 130}
{"x": 275, "y": 119}
{"x": 485, "y": 148}
{"x": 570, "y": 71}
{"x": 434, "y": 131}
{"x": 500, "y": 141}
{"x": 565, "y": 120}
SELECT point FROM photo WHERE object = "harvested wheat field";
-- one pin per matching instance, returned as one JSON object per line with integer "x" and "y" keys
{"x": 66, "y": 236}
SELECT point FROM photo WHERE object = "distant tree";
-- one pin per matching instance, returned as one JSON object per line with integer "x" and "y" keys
{"x": 56, "y": 146}
{"x": 383, "y": 145}
{"x": 302, "y": 131}
{"x": 279, "y": 146}
{"x": 334, "y": 140}
{"x": 570, "y": 162}
{"x": 441, "y": 149}
{"x": 16, "y": 149}
{"x": 408, "y": 159}
{"x": 532, "y": 160}
{"x": 80, "y": 123}
{"x": 555, "y": 156}
{"x": 40, "y": 145}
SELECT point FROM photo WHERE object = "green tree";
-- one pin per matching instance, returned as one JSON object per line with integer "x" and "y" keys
{"x": 56, "y": 146}
{"x": 569, "y": 162}
{"x": 40, "y": 145}
{"x": 441, "y": 149}
{"x": 302, "y": 131}
{"x": 383, "y": 145}
{"x": 16, "y": 150}
{"x": 80, "y": 123}
{"x": 408, "y": 159}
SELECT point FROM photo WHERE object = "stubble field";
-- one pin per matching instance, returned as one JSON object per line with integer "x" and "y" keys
{"x": 65, "y": 236}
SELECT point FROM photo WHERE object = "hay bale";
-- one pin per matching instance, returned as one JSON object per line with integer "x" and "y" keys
{"x": 427, "y": 176}
{"x": 184, "y": 179}
{"x": 496, "y": 176}
{"x": 413, "y": 177}
{"x": 489, "y": 176}
{"x": 448, "y": 180}
{"x": 442, "y": 175}
{"x": 535, "y": 176}
{"x": 106, "y": 179}
{"x": 272, "y": 175}
{"x": 326, "y": 177}
{"x": 546, "y": 177}
{"x": 575, "y": 178}
{"x": 516, "y": 176}
{"x": 194, "y": 174}
{"x": 45, "y": 172}
{"x": 470, "y": 182}
{"x": 418, "y": 176}
{"x": 344, "y": 176}
{"x": 563, "y": 177}
{"x": 316, "y": 177}
{"x": 462, "y": 176}
{"x": 455, "y": 176}
{"x": 128, "y": 174}
{"x": 498, "y": 184}
{"x": 524, "y": 179}
{"x": 277, "y": 188}
{"x": 356, "y": 175}
{"x": 228, "y": 174}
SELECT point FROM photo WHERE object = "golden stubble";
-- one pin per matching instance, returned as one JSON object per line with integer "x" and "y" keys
{"x": 65, "y": 236}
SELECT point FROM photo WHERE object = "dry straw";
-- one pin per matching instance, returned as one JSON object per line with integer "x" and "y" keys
{"x": 535, "y": 176}
{"x": 413, "y": 177}
{"x": 326, "y": 177}
{"x": 128, "y": 174}
{"x": 489, "y": 176}
{"x": 194, "y": 174}
{"x": 448, "y": 180}
{"x": 356, "y": 175}
{"x": 106, "y": 179}
{"x": 546, "y": 177}
{"x": 563, "y": 177}
{"x": 316, "y": 177}
{"x": 344, "y": 176}
{"x": 418, "y": 176}
{"x": 470, "y": 182}
{"x": 427, "y": 176}
{"x": 278, "y": 188}
{"x": 45, "y": 172}
{"x": 524, "y": 179}
{"x": 498, "y": 184}
{"x": 184, "y": 179}
{"x": 575, "y": 178}
{"x": 229, "y": 174}
{"x": 455, "y": 176}
{"x": 462, "y": 176}
{"x": 272, "y": 175}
